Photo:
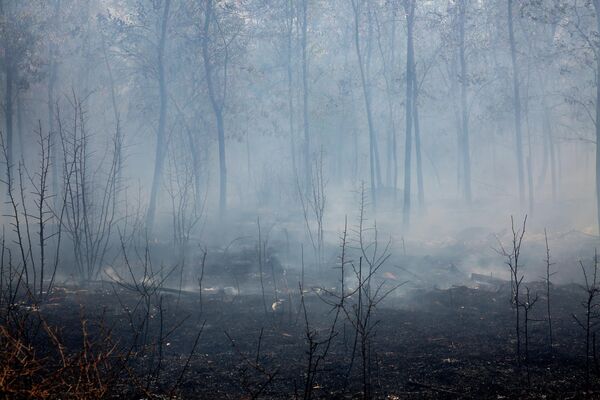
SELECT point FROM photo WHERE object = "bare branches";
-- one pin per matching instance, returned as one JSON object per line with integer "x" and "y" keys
{"x": 253, "y": 385}
{"x": 89, "y": 198}
{"x": 528, "y": 305}
{"x": 313, "y": 205}
{"x": 591, "y": 316}
{"x": 549, "y": 274}
{"x": 16, "y": 223}
{"x": 516, "y": 277}
{"x": 317, "y": 348}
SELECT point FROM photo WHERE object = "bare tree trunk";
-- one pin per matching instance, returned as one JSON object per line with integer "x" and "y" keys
{"x": 19, "y": 112}
{"x": 161, "y": 142}
{"x": 290, "y": 82}
{"x": 516, "y": 103}
{"x": 551, "y": 149}
{"x": 530, "y": 182}
{"x": 529, "y": 171}
{"x": 394, "y": 134}
{"x": 547, "y": 126}
{"x": 113, "y": 99}
{"x": 393, "y": 151}
{"x": 51, "y": 125}
{"x": 409, "y": 6}
{"x": 373, "y": 135}
{"x": 597, "y": 121}
{"x": 415, "y": 104}
{"x": 222, "y": 163}
{"x": 366, "y": 95}
{"x": 597, "y": 5}
{"x": 83, "y": 76}
{"x": 453, "y": 72}
{"x": 8, "y": 110}
{"x": 304, "y": 44}
{"x": 391, "y": 175}
{"x": 529, "y": 158}
{"x": 52, "y": 74}
{"x": 11, "y": 79}
{"x": 545, "y": 150}
{"x": 217, "y": 106}
{"x": 465, "y": 146}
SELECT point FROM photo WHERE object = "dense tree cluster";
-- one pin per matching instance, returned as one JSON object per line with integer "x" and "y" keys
{"x": 211, "y": 105}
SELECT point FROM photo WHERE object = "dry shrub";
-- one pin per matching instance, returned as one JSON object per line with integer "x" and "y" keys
{"x": 45, "y": 368}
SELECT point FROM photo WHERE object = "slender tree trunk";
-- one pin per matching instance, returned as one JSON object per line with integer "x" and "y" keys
{"x": 222, "y": 164}
{"x": 392, "y": 156}
{"x": 552, "y": 151}
{"x": 366, "y": 95}
{"x": 516, "y": 103}
{"x": 355, "y": 145}
{"x": 394, "y": 134}
{"x": 548, "y": 127}
{"x": 8, "y": 110}
{"x": 290, "y": 83}
{"x": 410, "y": 12}
{"x": 349, "y": 116}
{"x": 389, "y": 150}
{"x": 392, "y": 153}
{"x": 19, "y": 112}
{"x": 115, "y": 108}
{"x": 546, "y": 134}
{"x": 530, "y": 172}
{"x": 559, "y": 170}
{"x": 51, "y": 126}
{"x": 196, "y": 165}
{"x": 10, "y": 75}
{"x": 465, "y": 145}
{"x": 52, "y": 76}
{"x": 530, "y": 183}
{"x": 597, "y": 121}
{"x": 415, "y": 104}
{"x": 373, "y": 134}
{"x": 161, "y": 142}
{"x": 546, "y": 150}
{"x": 529, "y": 157}
{"x": 306, "y": 122}
{"x": 217, "y": 106}
{"x": 453, "y": 72}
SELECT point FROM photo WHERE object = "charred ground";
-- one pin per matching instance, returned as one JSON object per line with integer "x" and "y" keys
{"x": 450, "y": 343}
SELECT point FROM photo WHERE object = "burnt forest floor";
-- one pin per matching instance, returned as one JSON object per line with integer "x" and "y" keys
{"x": 455, "y": 343}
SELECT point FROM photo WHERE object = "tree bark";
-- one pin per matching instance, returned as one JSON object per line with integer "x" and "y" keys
{"x": 516, "y": 103}
{"x": 415, "y": 104}
{"x": 465, "y": 142}
{"x": 597, "y": 54}
{"x": 306, "y": 122}
{"x": 9, "y": 109}
{"x": 392, "y": 153}
{"x": 551, "y": 151}
{"x": 290, "y": 84}
{"x": 52, "y": 75}
{"x": 409, "y": 6}
{"x": 366, "y": 95}
{"x": 373, "y": 136}
{"x": 118, "y": 135}
{"x": 19, "y": 112}
{"x": 161, "y": 142}
{"x": 453, "y": 72}
{"x": 217, "y": 106}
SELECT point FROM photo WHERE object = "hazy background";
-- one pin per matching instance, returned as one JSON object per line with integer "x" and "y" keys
{"x": 277, "y": 113}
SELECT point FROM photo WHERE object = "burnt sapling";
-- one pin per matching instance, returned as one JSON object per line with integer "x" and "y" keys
{"x": 512, "y": 257}
{"x": 591, "y": 315}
